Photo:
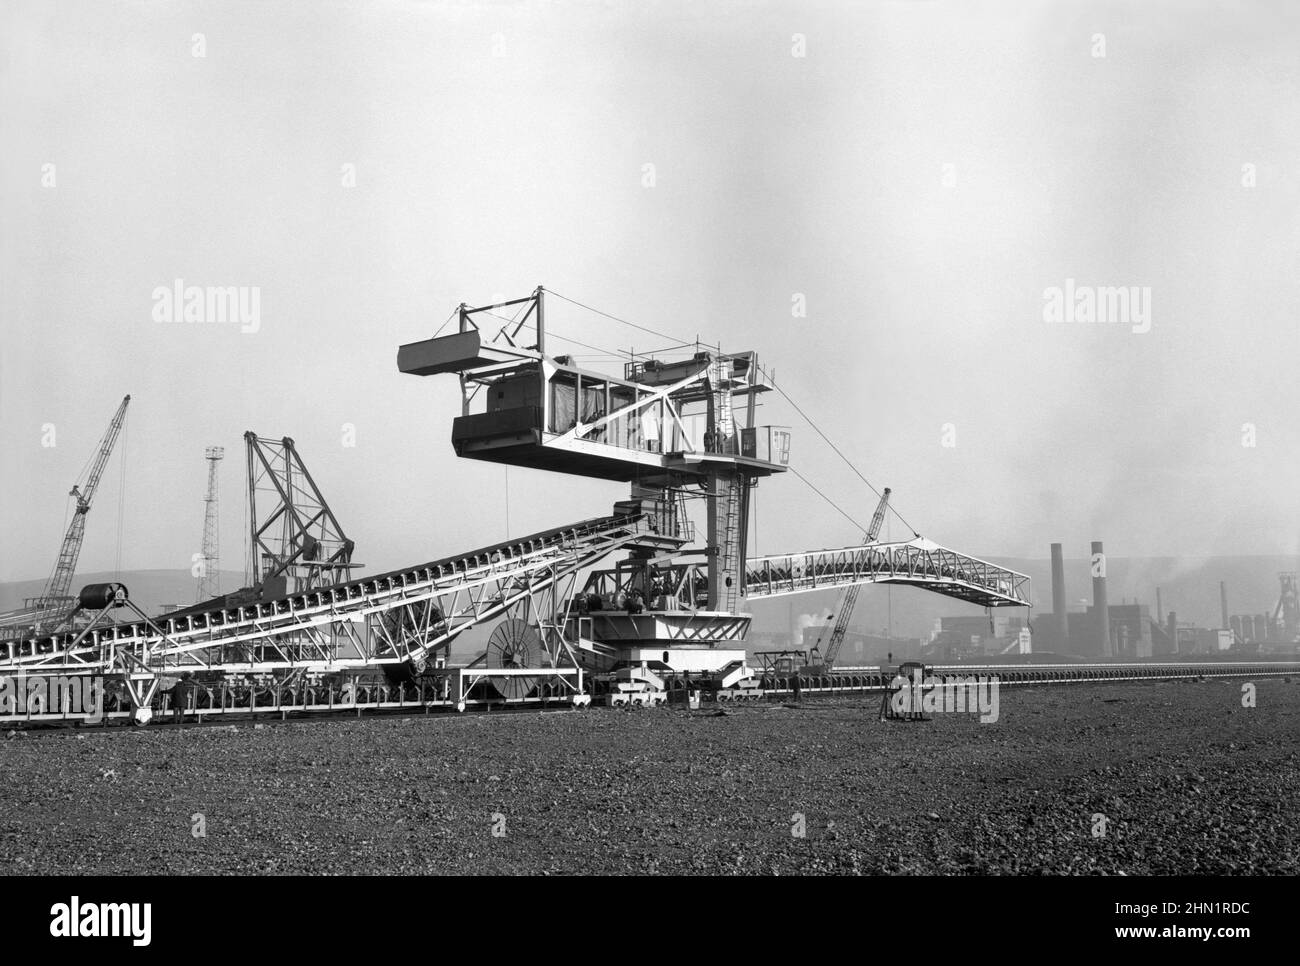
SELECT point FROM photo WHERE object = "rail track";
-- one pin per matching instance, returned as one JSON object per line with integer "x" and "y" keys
{"x": 210, "y": 704}
{"x": 848, "y": 680}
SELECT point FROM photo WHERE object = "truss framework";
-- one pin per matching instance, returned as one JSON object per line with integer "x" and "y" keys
{"x": 296, "y": 538}
{"x": 390, "y": 619}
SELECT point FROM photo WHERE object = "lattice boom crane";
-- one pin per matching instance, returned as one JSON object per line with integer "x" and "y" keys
{"x": 55, "y": 605}
{"x": 844, "y": 612}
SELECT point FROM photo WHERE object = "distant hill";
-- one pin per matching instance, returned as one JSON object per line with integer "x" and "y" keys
{"x": 150, "y": 589}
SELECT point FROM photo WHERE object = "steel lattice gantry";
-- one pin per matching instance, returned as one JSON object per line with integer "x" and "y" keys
{"x": 295, "y": 541}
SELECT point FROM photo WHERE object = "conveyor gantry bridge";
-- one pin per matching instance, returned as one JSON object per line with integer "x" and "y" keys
{"x": 916, "y": 563}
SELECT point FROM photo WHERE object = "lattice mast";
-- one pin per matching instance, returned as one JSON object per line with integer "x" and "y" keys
{"x": 209, "y": 575}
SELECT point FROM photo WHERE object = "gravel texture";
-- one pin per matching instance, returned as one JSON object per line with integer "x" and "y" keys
{"x": 1188, "y": 780}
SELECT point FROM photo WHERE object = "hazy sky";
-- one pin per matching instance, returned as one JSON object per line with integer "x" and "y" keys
{"x": 920, "y": 176}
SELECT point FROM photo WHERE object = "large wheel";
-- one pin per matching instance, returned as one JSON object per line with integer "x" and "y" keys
{"x": 515, "y": 644}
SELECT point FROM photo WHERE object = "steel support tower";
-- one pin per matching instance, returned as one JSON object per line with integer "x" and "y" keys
{"x": 674, "y": 431}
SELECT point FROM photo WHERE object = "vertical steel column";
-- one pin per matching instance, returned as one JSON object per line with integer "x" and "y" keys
{"x": 255, "y": 558}
{"x": 543, "y": 389}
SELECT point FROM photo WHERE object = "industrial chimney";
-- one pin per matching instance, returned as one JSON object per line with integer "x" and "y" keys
{"x": 1058, "y": 599}
{"x": 1099, "y": 603}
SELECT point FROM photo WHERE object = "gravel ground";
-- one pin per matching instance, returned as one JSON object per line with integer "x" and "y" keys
{"x": 1189, "y": 782}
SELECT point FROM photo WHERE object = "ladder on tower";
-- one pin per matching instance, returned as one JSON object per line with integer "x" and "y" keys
{"x": 730, "y": 548}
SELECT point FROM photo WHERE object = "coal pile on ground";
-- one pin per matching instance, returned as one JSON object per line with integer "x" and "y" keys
{"x": 1169, "y": 778}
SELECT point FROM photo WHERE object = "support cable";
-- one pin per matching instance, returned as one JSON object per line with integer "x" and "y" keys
{"x": 615, "y": 318}
{"x": 817, "y": 429}
{"x": 454, "y": 313}
{"x": 806, "y": 418}
{"x": 844, "y": 513}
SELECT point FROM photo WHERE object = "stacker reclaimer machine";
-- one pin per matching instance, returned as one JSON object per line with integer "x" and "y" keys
{"x": 668, "y": 614}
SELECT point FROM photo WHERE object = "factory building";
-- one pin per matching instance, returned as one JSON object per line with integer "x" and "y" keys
{"x": 1090, "y": 633}
{"x": 1130, "y": 630}
{"x": 1254, "y": 628}
{"x": 1124, "y": 631}
{"x": 972, "y": 636}
{"x": 1103, "y": 631}
{"x": 860, "y": 648}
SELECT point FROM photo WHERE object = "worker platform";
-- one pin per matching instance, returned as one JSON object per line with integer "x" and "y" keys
{"x": 663, "y": 423}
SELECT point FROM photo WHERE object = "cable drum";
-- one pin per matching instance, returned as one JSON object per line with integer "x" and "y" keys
{"x": 99, "y": 596}
{"x": 515, "y": 644}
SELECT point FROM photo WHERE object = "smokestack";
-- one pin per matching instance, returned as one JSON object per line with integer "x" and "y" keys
{"x": 1058, "y": 598}
{"x": 1058, "y": 581}
{"x": 1223, "y": 603}
{"x": 1099, "y": 603}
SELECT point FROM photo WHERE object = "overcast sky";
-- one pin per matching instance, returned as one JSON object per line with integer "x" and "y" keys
{"x": 920, "y": 176}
